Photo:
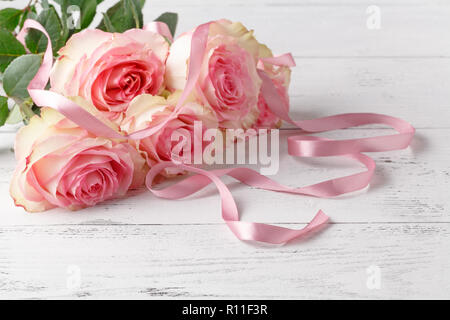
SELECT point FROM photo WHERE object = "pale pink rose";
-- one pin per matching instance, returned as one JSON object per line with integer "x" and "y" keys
{"x": 281, "y": 78}
{"x": 63, "y": 165}
{"x": 175, "y": 141}
{"x": 110, "y": 69}
{"x": 229, "y": 82}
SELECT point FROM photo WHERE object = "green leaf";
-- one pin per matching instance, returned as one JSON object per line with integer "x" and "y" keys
{"x": 9, "y": 18}
{"x": 45, "y": 4}
{"x": 29, "y": 13}
{"x": 135, "y": 12}
{"x": 108, "y": 25}
{"x": 88, "y": 9}
{"x": 10, "y": 48}
{"x": 4, "y": 110}
{"x": 19, "y": 74}
{"x": 15, "y": 116}
{"x": 36, "y": 40}
{"x": 171, "y": 19}
{"x": 124, "y": 15}
{"x": 65, "y": 28}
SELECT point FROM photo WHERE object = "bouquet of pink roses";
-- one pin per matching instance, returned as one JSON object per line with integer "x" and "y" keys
{"x": 123, "y": 102}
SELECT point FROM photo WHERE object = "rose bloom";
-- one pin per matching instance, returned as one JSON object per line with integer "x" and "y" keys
{"x": 229, "y": 82}
{"x": 63, "y": 165}
{"x": 110, "y": 69}
{"x": 175, "y": 141}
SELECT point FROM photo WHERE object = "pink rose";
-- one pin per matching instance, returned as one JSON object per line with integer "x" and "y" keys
{"x": 110, "y": 69}
{"x": 63, "y": 165}
{"x": 175, "y": 141}
{"x": 229, "y": 82}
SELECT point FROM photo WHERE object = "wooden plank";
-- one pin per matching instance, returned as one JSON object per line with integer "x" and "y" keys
{"x": 416, "y": 90}
{"x": 410, "y": 186}
{"x": 284, "y": 3}
{"x": 327, "y": 31}
{"x": 146, "y": 262}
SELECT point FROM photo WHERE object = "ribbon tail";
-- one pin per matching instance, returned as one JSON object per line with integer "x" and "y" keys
{"x": 266, "y": 233}
{"x": 246, "y": 231}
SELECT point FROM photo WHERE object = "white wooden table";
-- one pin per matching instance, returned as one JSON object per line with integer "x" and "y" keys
{"x": 390, "y": 241}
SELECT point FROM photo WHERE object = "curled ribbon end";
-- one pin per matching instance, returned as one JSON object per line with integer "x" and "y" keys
{"x": 319, "y": 219}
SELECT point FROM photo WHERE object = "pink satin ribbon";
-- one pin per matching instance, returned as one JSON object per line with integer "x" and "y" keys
{"x": 298, "y": 145}
{"x": 161, "y": 28}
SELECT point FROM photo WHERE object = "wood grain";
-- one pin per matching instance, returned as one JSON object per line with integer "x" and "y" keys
{"x": 322, "y": 29}
{"x": 332, "y": 31}
{"x": 146, "y": 262}
{"x": 397, "y": 86}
